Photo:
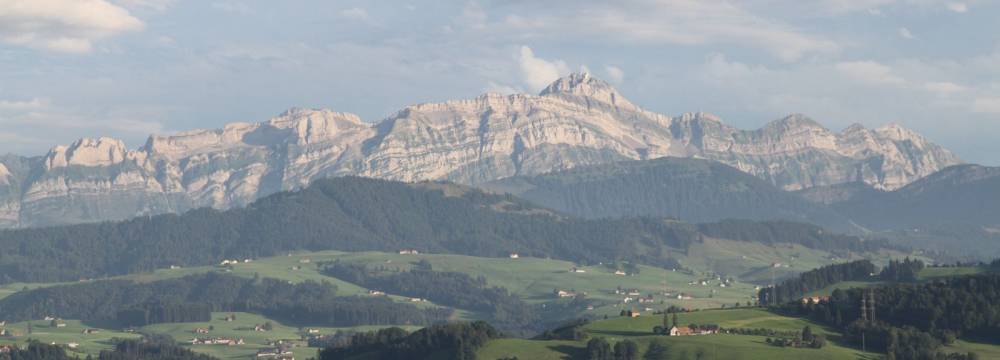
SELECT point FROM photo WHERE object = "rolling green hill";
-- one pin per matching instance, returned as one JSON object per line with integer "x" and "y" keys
{"x": 358, "y": 214}
{"x": 721, "y": 346}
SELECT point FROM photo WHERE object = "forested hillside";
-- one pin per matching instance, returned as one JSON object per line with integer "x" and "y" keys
{"x": 455, "y": 289}
{"x": 193, "y": 298}
{"x": 349, "y": 214}
{"x": 956, "y": 210}
{"x": 912, "y": 320}
{"x": 694, "y": 190}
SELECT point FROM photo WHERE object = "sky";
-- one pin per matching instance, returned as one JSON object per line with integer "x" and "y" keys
{"x": 129, "y": 68}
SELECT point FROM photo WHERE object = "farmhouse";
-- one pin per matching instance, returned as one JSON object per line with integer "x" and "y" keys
{"x": 91, "y": 331}
{"x": 577, "y": 270}
{"x": 201, "y": 331}
{"x": 631, "y": 313}
{"x": 6, "y": 349}
{"x": 514, "y": 255}
{"x": 216, "y": 341}
{"x": 619, "y": 272}
{"x": 696, "y": 330}
{"x": 565, "y": 294}
{"x": 409, "y": 252}
{"x": 376, "y": 293}
{"x": 814, "y": 299}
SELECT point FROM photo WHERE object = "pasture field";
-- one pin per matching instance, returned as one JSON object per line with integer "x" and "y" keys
{"x": 720, "y": 346}
{"x": 72, "y": 333}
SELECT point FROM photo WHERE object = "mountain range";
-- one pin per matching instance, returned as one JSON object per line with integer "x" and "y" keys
{"x": 578, "y": 120}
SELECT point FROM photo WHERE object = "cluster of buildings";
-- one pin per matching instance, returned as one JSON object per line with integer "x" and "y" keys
{"x": 216, "y": 341}
{"x": 814, "y": 299}
{"x": 697, "y": 330}
{"x": 226, "y": 262}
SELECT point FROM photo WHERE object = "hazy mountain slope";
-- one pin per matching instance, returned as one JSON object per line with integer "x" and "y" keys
{"x": 694, "y": 190}
{"x": 956, "y": 210}
{"x": 964, "y": 194}
{"x": 576, "y": 121}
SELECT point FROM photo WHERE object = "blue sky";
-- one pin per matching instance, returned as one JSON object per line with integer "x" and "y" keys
{"x": 128, "y": 68}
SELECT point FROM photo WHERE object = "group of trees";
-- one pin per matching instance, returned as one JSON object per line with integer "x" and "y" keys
{"x": 911, "y": 320}
{"x": 572, "y": 330}
{"x": 800, "y": 339}
{"x": 789, "y": 232}
{"x": 455, "y": 289}
{"x": 902, "y": 270}
{"x": 193, "y": 297}
{"x": 457, "y": 341}
{"x": 600, "y": 349}
{"x": 793, "y": 289}
{"x": 151, "y": 348}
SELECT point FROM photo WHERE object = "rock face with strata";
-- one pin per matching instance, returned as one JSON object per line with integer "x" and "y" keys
{"x": 578, "y": 120}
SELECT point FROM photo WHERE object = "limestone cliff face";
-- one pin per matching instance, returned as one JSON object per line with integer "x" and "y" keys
{"x": 578, "y": 120}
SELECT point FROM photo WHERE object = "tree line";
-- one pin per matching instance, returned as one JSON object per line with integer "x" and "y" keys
{"x": 455, "y": 289}
{"x": 147, "y": 348}
{"x": 193, "y": 297}
{"x": 458, "y": 341}
{"x": 912, "y": 320}
{"x": 793, "y": 289}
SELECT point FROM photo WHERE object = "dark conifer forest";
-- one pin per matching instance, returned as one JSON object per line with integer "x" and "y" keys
{"x": 359, "y": 214}
{"x": 192, "y": 298}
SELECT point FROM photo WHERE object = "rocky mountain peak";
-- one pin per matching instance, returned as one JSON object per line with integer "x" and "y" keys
{"x": 897, "y": 132}
{"x": 102, "y": 151}
{"x": 313, "y": 125}
{"x": 582, "y": 85}
{"x": 794, "y": 121}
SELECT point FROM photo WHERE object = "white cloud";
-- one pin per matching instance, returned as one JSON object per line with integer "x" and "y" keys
{"x": 989, "y": 105}
{"x": 232, "y": 7}
{"x": 494, "y": 87}
{"x": 957, "y": 7}
{"x": 677, "y": 22}
{"x": 847, "y": 6}
{"x": 538, "y": 73}
{"x": 355, "y": 13}
{"x": 944, "y": 88}
{"x": 869, "y": 72}
{"x": 62, "y": 25}
{"x": 22, "y": 105}
{"x": 159, "y": 5}
{"x": 615, "y": 74}
{"x": 905, "y": 33}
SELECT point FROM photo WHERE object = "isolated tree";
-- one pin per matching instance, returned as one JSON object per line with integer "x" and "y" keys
{"x": 657, "y": 351}
{"x": 626, "y": 350}
{"x": 674, "y": 319}
{"x": 599, "y": 349}
{"x": 807, "y": 334}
